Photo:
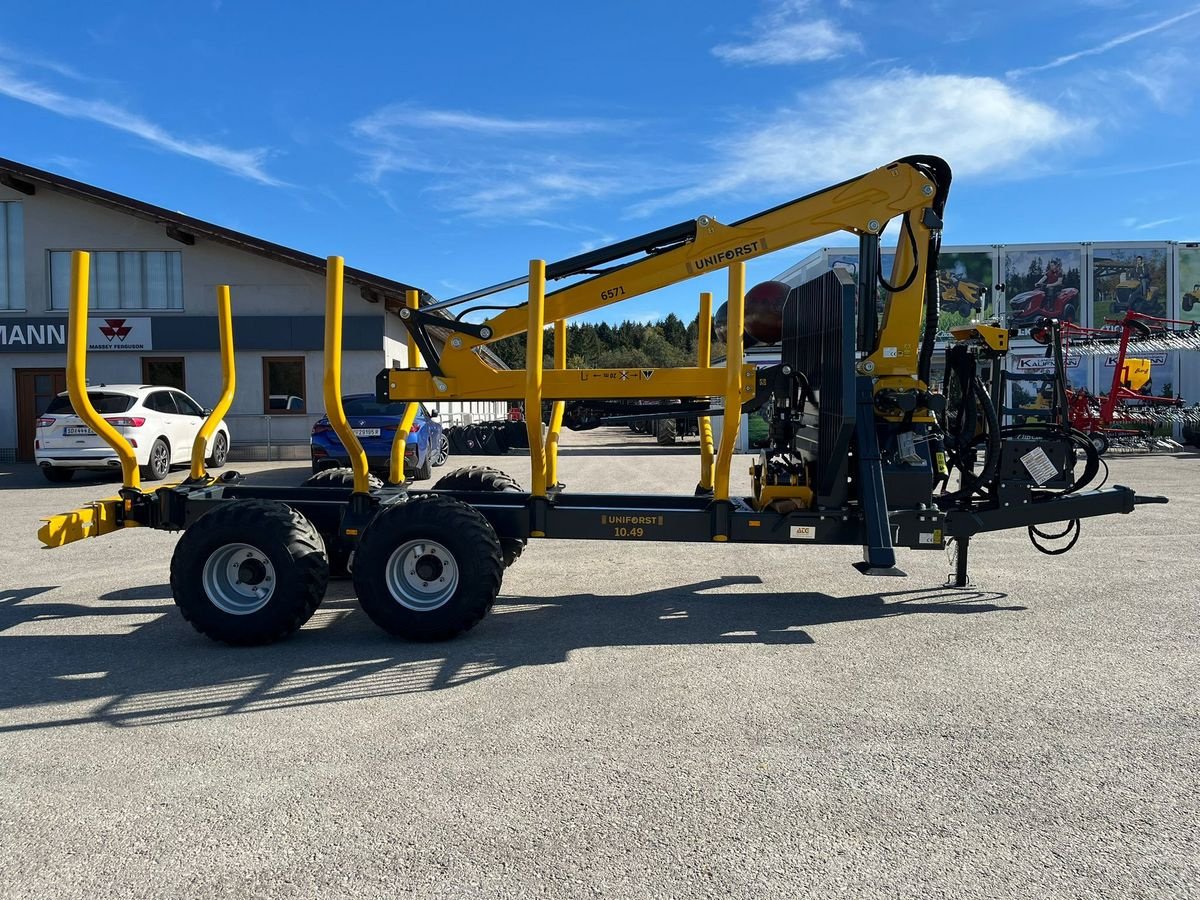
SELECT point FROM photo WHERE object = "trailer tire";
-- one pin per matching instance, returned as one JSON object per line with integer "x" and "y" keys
{"x": 667, "y": 431}
{"x": 485, "y": 479}
{"x": 341, "y": 477}
{"x": 1100, "y": 441}
{"x": 280, "y": 550}
{"x": 428, "y": 569}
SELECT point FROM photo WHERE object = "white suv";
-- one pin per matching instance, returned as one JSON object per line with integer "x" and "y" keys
{"x": 159, "y": 422}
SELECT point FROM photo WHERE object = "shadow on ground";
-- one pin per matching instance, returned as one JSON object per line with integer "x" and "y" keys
{"x": 150, "y": 667}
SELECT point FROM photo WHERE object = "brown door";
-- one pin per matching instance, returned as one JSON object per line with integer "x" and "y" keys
{"x": 35, "y": 389}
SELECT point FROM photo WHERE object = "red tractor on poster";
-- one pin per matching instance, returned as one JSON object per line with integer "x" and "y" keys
{"x": 1049, "y": 299}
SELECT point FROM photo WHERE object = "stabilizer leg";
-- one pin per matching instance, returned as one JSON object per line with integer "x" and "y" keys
{"x": 879, "y": 556}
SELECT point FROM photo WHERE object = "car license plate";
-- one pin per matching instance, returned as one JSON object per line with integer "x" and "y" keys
{"x": 77, "y": 429}
{"x": 366, "y": 432}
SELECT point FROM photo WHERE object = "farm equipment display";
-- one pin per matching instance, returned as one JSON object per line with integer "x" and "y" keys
{"x": 961, "y": 296}
{"x": 1132, "y": 289}
{"x": 1029, "y": 308}
{"x": 863, "y": 450}
{"x": 1129, "y": 414}
{"x": 1191, "y": 298}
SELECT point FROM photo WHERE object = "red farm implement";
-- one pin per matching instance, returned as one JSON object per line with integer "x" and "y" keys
{"x": 1129, "y": 416}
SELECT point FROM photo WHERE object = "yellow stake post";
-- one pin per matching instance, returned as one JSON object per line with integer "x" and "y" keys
{"x": 733, "y": 381}
{"x": 334, "y": 273}
{"x": 228, "y": 383}
{"x": 704, "y": 361}
{"x": 533, "y": 376}
{"x": 400, "y": 441}
{"x": 77, "y": 334}
{"x": 556, "y": 412}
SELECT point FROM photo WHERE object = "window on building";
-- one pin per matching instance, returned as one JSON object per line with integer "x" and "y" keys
{"x": 12, "y": 256}
{"x": 283, "y": 384}
{"x": 122, "y": 279}
{"x": 166, "y": 371}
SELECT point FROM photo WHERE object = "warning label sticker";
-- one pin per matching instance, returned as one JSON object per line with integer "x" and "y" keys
{"x": 1038, "y": 465}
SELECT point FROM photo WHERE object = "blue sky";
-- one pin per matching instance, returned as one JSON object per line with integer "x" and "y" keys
{"x": 446, "y": 144}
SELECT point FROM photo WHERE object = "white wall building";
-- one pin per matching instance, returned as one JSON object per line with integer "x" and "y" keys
{"x": 153, "y": 320}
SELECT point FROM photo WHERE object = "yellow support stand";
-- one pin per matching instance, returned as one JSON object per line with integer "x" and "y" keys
{"x": 228, "y": 383}
{"x": 77, "y": 373}
{"x": 556, "y": 413}
{"x": 534, "y": 344}
{"x": 334, "y": 274}
{"x": 704, "y": 361}
{"x": 733, "y": 380}
{"x": 400, "y": 440}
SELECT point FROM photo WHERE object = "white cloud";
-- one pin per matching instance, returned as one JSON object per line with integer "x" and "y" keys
{"x": 1143, "y": 226}
{"x": 246, "y": 163}
{"x": 1106, "y": 46}
{"x": 491, "y": 166}
{"x": 402, "y": 115}
{"x": 788, "y": 33}
{"x": 38, "y": 61}
{"x": 980, "y": 125}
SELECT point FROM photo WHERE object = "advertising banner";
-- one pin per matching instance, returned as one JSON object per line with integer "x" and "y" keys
{"x": 1128, "y": 278}
{"x": 965, "y": 281}
{"x": 1042, "y": 281}
{"x": 1031, "y": 384}
{"x": 42, "y": 334}
{"x": 1189, "y": 283}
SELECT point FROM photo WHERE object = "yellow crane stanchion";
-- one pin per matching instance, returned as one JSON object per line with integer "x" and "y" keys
{"x": 77, "y": 373}
{"x": 704, "y": 361}
{"x": 228, "y": 384}
{"x": 556, "y": 412}
{"x": 534, "y": 343}
{"x": 733, "y": 383}
{"x": 334, "y": 274}
{"x": 399, "y": 442}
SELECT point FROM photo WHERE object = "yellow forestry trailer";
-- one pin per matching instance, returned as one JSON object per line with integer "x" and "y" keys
{"x": 863, "y": 449}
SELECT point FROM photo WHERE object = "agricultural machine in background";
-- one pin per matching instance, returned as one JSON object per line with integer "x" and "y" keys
{"x": 862, "y": 451}
{"x": 1191, "y": 298}
{"x": 961, "y": 296}
{"x": 1129, "y": 416}
{"x": 1133, "y": 291}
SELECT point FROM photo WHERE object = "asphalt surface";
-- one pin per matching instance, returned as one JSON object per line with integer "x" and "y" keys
{"x": 634, "y": 720}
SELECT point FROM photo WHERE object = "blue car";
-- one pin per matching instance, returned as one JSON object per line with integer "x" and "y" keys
{"x": 375, "y": 424}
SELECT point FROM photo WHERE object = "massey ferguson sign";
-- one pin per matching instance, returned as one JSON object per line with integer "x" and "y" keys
{"x": 119, "y": 334}
{"x": 109, "y": 333}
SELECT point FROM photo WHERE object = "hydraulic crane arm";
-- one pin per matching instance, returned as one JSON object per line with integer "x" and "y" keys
{"x": 914, "y": 188}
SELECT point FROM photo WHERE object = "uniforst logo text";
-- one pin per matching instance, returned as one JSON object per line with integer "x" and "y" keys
{"x": 723, "y": 256}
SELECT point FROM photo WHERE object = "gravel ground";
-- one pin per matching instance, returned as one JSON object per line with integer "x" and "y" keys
{"x": 634, "y": 720}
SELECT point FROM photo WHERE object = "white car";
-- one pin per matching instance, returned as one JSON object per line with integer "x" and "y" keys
{"x": 159, "y": 422}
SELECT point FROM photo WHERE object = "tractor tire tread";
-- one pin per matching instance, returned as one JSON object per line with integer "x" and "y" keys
{"x": 485, "y": 479}
{"x": 243, "y": 519}
{"x": 340, "y": 477}
{"x": 450, "y": 522}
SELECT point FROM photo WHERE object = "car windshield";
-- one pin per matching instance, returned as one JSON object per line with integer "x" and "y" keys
{"x": 104, "y": 403}
{"x": 369, "y": 406}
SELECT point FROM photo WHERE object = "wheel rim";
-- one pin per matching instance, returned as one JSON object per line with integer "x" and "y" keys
{"x": 239, "y": 579}
{"x": 158, "y": 457}
{"x": 220, "y": 450}
{"x": 1098, "y": 441}
{"x": 443, "y": 450}
{"x": 421, "y": 575}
